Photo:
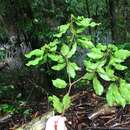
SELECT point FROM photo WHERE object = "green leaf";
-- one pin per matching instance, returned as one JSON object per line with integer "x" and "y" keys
{"x": 110, "y": 97}
{"x": 54, "y": 57}
{"x": 62, "y": 29}
{"x": 54, "y": 43}
{"x": 53, "y": 49}
{"x": 110, "y": 73}
{"x": 66, "y": 101}
{"x": 89, "y": 76}
{"x": 58, "y": 106}
{"x": 119, "y": 66}
{"x": 124, "y": 91}
{"x": 72, "y": 51}
{"x": 82, "y": 21}
{"x": 90, "y": 66}
{"x": 58, "y": 67}
{"x": 71, "y": 70}
{"x": 116, "y": 60}
{"x": 112, "y": 47}
{"x": 75, "y": 66}
{"x": 59, "y": 83}
{"x": 119, "y": 99}
{"x": 58, "y": 35}
{"x": 117, "y": 96}
{"x": 101, "y": 47}
{"x": 122, "y": 54}
{"x": 50, "y": 98}
{"x": 61, "y": 59}
{"x": 64, "y": 50}
{"x": 36, "y": 52}
{"x": 95, "y": 53}
{"x": 103, "y": 74}
{"x": 85, "y": 42}
{"x": 35, "y": 61}
{"x": 97, "y": 86}
{"x": 128, "y": 86}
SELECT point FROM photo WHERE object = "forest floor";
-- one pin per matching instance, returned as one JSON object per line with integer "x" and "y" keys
{"x": 87, "y": 111}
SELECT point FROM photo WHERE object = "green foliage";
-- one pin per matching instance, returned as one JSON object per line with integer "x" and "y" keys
{"x": 66, "y": 101}
{"x": 71, "y": 33}
{"x": 104, "y": 65}
{"x": 58, "y": 105}
{"x": 97, "y": 86}
{"x": 102, "y": 62}
{"x": 7, "y": 108}
{"x": 59, "y": 83}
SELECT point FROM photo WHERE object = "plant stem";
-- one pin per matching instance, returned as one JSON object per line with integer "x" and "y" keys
{"x": 77, "y": 80}
{"x": 73, "y": 83}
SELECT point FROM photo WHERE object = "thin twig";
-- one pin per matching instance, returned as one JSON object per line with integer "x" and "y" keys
{"x": 77, "y": 80}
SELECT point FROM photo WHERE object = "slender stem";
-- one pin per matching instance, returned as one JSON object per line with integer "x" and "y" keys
{"x": 70, "y": 86}
{"x": 77, "y": 80}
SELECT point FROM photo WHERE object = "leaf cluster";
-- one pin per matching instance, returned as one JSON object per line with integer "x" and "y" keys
{"x": 101, "y": 62}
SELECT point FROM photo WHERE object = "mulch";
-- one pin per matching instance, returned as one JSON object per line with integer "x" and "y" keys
{"x": 88, "y": 112}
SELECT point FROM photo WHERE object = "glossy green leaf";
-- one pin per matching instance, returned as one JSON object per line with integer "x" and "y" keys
{"x": 95, "y": 53}
{"x": 53, "y": 49}
{"x": 35, "y": 61}
{"x": 85, "y": 42}
{"x": 110, "y": 73}
{"x": 97, "y": 86}
{"x": 62, "y": 29}
{"x": 110, "y": 97}
{"x": 71, "y": 70}
{"x": 101, "y": 47}
{"x": 59, "y": 67}
{"x": 112, "y": 47}
{"x": 57, "y": 104}
{"x": 54, "y": 57}
{"x": 119, "y": 66}
{"x": 118, "y": 98}
{"x": 53, "y": 43}
{"x": 122, "y": 54}
{"x": 66, "y": 101}
{"x": 82, "y": 21}
{"x": 103, "y": 74}
{"x": 124, "y": 91}
{"x": 64, "y": 50}
{"x": 59, "y": 83}
{"x": 89, "y": 76}
{"x": 36, "y": 52}
{"x": 61, "y": 60}
{"x": 58, "y": 35}
{"x": 75, "y": 66}
{"x": 90, "y": 66}
{"x": 72, "y": 51}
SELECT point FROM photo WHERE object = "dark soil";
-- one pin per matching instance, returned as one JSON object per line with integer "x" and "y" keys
{"x": 88, "y": 112}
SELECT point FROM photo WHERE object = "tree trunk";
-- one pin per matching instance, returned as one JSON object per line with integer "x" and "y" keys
{"x": 112, "y": 19}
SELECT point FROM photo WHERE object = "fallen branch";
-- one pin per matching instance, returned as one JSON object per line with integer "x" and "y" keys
{"x": 104, "y": 110}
